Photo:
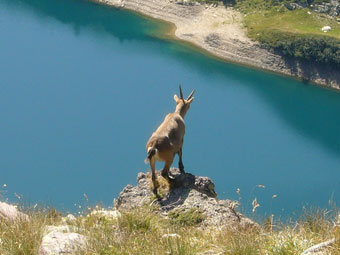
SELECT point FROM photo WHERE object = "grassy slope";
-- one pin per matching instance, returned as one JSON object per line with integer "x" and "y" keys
{"x": 144, "y": 232}
{"x": 292, "y": 33}
{"x": 297, "y": 21}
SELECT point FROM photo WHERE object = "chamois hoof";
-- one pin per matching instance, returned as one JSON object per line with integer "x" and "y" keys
{"x": 181, "y": 168}
{"x": 165, "y": 175}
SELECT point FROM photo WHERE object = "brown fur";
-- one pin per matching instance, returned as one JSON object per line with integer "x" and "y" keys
{"x": 167, "y": 140}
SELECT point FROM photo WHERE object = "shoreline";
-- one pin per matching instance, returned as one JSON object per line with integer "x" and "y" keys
{"x": 218, "y": 32}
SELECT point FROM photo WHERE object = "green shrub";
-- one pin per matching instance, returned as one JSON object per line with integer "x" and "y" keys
{"x": 320, "y": 49}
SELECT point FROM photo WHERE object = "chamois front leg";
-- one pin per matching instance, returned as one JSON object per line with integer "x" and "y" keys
{"x": 180, "y": 162}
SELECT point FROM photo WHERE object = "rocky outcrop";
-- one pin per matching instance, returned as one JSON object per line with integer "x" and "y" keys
{"x": 10, "y": 212}
{"x": 331, "y": 8}
{"x": 60, "y": 240}
{"x": 219, "y": 31}
{"x": 186, "y": 192}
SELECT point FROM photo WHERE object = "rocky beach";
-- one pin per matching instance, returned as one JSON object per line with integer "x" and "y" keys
{"x": 219, "y": 31}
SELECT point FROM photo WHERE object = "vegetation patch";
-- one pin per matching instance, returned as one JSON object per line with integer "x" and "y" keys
{"x": 292, "y": 33}
{"x": 189, "y": 217}
{"x": 314, "y": 48}
{"x": 144, "y": 232}
{"x": 24, "y": 237}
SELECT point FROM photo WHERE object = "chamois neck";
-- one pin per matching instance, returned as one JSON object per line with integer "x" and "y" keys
{"x": 181, "y": 109}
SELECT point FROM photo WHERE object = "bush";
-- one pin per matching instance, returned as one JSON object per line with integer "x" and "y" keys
{"x": 316, "y": 48}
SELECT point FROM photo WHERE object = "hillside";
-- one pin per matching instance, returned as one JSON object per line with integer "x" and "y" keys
{"x": 294, "y": 28}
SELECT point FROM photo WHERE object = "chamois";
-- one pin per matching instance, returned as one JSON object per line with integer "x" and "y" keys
{"x": 167, "y": 140}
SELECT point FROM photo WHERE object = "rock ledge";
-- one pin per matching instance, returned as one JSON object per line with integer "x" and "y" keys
{"x": 187, "y": 191}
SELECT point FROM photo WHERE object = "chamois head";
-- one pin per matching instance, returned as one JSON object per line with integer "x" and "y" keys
{"x": 183, "y": 105}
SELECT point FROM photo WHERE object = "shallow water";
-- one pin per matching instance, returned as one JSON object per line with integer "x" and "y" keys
{"x": 83, "y": 86}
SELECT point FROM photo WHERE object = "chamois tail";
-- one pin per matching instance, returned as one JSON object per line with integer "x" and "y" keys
{"x": 151, "y": 152}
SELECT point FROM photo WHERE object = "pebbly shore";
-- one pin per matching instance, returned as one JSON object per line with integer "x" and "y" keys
{"x": 219, "y": 31}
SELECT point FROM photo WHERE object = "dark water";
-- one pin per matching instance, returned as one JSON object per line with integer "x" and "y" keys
{"x": 83, "y": 86}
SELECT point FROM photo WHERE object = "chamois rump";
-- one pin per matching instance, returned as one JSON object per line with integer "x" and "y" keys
{"x": 167, "y": 140}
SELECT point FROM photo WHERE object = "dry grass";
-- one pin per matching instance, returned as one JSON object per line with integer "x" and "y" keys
{"x": 143, "y": 231}
{"x": 24, "y": 237}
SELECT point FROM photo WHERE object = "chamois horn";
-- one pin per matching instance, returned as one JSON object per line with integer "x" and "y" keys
{"x": 191, "y": 94}
{"x": 180, "y": 91}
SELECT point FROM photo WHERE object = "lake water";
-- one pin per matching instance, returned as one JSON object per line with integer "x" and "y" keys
{"x": 83, "y": 86}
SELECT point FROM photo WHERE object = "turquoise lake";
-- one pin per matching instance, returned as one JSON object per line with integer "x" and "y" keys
{"x": 83, "y": 86}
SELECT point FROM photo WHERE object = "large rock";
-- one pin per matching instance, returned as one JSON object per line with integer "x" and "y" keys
{"x": 59, "y": 240}
{"x": 187, "y": 191}
{"x": 10, "y": 212}
{"x": 331, "y": 7}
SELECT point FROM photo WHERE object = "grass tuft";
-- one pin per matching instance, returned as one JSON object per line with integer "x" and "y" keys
{"x": 189, "y": 217}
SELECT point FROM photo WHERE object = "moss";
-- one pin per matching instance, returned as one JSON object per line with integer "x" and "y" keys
{"x": 189, "y": 217}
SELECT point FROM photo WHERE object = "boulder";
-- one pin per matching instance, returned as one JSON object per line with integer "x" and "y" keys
{"x": 59, "y": 240}
{"x": 186, "y": 191}
{"x": 293, "y": 6}
{"x": 332, "y": 7}
{"x": 10, "y": 212}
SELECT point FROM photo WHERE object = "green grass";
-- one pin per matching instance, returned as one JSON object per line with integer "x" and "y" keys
{"x": 297, "y": 22}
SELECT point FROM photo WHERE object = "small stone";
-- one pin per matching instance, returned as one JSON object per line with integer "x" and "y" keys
{"x": 69, "y": 218}
{"x": 107, "y": 214}
{"x": 171, "y": 235}
{"x": 141, "y": 176}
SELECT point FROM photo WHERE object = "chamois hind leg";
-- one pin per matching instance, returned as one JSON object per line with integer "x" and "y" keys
{"x": 180, "y": 162}
{"x": 167, "y": 165}
{"x": 153, "y": 171}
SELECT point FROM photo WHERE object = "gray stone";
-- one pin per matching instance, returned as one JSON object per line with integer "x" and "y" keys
{"x": 331, "y": 8}
{"x": 292, "y": 6}
{"x": 10, "y": 212}
{"x": 319, "y": 249}
{"x": 58, "y": 240}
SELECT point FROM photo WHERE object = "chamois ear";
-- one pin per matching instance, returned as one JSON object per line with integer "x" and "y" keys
{"x": 176, "y": 98}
